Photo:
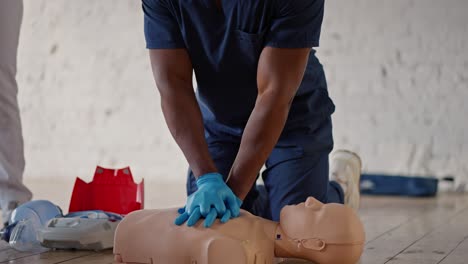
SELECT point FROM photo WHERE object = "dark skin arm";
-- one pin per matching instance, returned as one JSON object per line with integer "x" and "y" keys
{"x": 172, "y": 71}
{"x": 279, "y": 74}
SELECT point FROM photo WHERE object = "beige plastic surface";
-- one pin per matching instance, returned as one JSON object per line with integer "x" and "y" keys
{"x": 326, "y": 234}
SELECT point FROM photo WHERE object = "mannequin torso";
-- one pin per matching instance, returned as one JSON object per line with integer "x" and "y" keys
{"x": 328, "y": 234}
{"x": 223, "y": 243}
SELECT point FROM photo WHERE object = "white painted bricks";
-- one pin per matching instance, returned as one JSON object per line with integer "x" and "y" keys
{"x": 397, "y": 71}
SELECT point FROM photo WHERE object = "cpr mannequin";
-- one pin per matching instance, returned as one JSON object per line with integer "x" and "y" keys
{"x": 323, "y": 233}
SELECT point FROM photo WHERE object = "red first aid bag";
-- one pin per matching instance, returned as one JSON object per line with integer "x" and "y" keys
{"x": 110, "y": 190}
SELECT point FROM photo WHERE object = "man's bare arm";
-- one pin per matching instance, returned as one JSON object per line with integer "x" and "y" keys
{"x": 172, "y": 71}
{"x": 280, "y": 72}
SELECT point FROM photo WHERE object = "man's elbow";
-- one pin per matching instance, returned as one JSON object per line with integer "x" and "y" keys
{"x": 279, "y": 95}
{"x": 171, "y": 86}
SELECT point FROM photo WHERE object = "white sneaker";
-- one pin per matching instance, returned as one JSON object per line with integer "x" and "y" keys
{"x": 345, "y": 168}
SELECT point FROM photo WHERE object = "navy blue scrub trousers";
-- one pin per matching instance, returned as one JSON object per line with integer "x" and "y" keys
{"x": 296, "y": 169}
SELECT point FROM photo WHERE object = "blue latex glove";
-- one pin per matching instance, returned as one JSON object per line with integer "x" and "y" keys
{"x": 213, "y": 199}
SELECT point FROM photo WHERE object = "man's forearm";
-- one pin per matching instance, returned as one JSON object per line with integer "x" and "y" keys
{"x": 260, "y": 136}
{"x": 172, "y": 71}
{"x": 184, "y": 120}
{"x": 279, "y": 75}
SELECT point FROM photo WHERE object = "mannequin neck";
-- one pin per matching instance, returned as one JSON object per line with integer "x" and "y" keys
{"x": 285, "y": 247}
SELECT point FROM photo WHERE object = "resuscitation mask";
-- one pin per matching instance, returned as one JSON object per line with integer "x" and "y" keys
{"x": 25, "y": 221}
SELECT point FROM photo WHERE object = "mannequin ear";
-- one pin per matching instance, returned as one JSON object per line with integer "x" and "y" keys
{"x": 313, "y": 244}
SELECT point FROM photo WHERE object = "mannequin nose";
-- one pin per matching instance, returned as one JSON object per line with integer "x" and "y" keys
{"x": 311, "y": 202}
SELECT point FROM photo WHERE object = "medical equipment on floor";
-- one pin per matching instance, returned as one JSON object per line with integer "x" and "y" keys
{"x": 89, "y": 230}
{"x": 111, "y": 190}
{"x": 24, "y": 223}
{"x": 38, "y": 225}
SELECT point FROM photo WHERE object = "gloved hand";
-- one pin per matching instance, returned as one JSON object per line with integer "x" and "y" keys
{"x": 213, "y": 199}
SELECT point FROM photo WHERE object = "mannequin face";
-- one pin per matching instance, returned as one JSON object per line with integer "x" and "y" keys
{"x": 299, "y": 221}
{"x": 323, "y": 233}
{"x": 318, "y": 224}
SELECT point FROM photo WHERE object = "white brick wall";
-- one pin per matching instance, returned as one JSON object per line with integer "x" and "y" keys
{"x": 397, "y": 71}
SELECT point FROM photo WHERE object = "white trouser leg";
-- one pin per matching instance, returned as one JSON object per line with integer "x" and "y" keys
{"x": 12, "y": 188}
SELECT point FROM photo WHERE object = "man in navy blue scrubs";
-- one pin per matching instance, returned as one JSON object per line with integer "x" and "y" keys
{"x": 261, "y": 100}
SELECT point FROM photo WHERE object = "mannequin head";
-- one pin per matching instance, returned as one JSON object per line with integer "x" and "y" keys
{"x": 324, "y": 233}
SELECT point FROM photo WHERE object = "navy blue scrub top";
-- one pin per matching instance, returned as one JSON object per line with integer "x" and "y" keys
{"x": 224, "y": 46}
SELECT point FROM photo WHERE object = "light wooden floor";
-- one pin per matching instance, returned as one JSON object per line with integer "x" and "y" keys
{"x": 398, "y": 230}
